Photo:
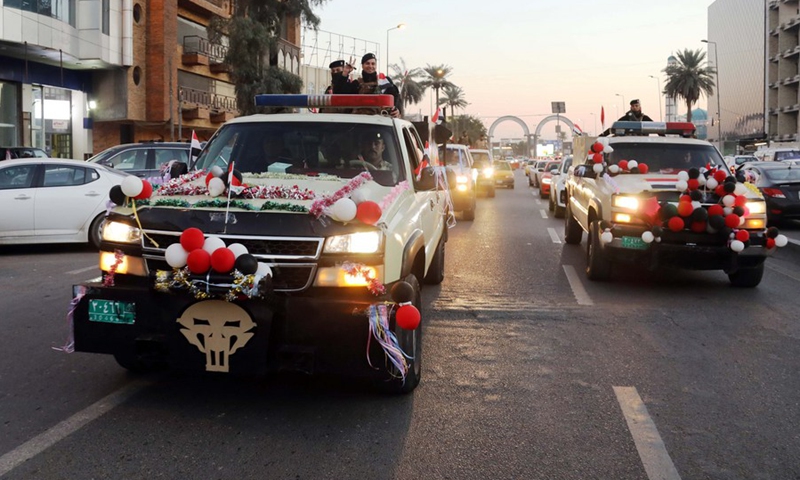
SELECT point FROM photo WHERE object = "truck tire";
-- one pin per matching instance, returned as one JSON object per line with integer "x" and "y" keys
{"x": 572, "y": 229}
{"x": 747, "y": 277}
{"x": 551, "y": 204}
{"x": 435, "y": 274}
{"x": 558, "y": 211}
{"x": 469, "y": 214}
{"x": 411, "y": 343}
{"x": 598, "y": 266}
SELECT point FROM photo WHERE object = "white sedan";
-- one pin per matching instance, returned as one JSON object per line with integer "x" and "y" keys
{"x": 46, "y": 200}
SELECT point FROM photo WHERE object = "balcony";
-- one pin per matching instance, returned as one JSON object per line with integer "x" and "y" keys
{"x": 286, "y": 55}
{"x": 791, "y": 80}
{"x": 791, "y": 108}
{"x": 202, "y": 105}
{"x": 207, "y": 7}
{"x": 773, "y": 4}
{"x": 790, "y": 52}
{"x": 200, "y": 51}
{"x": 791, "y": 23}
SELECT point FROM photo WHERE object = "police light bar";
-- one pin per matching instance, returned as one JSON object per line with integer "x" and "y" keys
{"x": 685, "y": 129}
{"x": 317, "y": 101}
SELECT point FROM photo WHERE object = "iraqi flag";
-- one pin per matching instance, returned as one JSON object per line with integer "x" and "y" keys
{"x": 435, "y": 118}
{"x": 195, "y": 146}
{"x": 576, "y": 129}
{"x": 602, "y": 119}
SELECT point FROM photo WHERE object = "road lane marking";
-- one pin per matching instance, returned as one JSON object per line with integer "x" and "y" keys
{"x": 47, "y": 439}
{"x": 94, "y": 280}
{"x": 81, "y": 270}
{"x": 784, "y": 271}
{"x": 553, "y": 235}
{"x": 577, "y": 287}
{"x": 543, "y": 213}
{"x": 792, "y": 240}
{"x": 652, "y": 452}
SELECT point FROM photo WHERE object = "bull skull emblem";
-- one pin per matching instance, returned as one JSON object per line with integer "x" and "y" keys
{"x": 217, "y": 329}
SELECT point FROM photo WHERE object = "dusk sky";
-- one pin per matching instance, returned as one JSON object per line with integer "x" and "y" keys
{"x": 514, "y": 57}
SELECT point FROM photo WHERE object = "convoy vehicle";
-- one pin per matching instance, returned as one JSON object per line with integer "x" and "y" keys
{"x": 777, "y": 154}
{"x": 655, "y": 212}
{"x": 144, "y": 159}
{"x": 484, "y": 165}
{"x": 558, "y": 190}
{"x": 779, "y": 182}
{"x": 546, "y": 178}
{"x": 463, "y": 191}
{"x": 503, "y": 174}
{"x": 331, "y": 278}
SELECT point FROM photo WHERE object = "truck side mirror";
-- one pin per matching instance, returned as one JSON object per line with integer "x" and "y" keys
{"x": 427, "y": 180}
{"x": 178, "y": 169}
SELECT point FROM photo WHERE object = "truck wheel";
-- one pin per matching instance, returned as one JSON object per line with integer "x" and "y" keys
{"x": 598, "y": 267}
{"x": 411, "y": 343}
{"x": 470, "y": 213}
{"x": 435, "y": 274}
{"x": 572, "y": 229}
{"x": 748, "y": 277}
{"x": 558, "y": 211}
{"x": 95, "y": 230}
{"x": 551, "y": 204}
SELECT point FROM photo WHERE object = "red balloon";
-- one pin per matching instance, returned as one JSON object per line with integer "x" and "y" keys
{"x": 623, "y": 164}
{"x": 732, "y": 220}
{"x": 676, "y": 224}
{"x": 209, "y": 177}
{"x": 743, "y": 235}
{"x": 716, "y": 210}
{"x": 740, "y": 201}
{"x": 368, "y": 212}
{"x": 643, "y": 168}
{"x": 192, "y": 239}
{"x": 597, "y": 147}
{"x": 720, "y": 191}
{"x": 770, "y": 242}
{"x": 222, "y": 260}
{"x": 693, "y": 183}
{"x": 198, "y": 261}
{"x": 685, "y": 209}
{"x": 147, "y": 190}
{"x": 408, "y": 317}
{"x": 597, "y": 158}
{"x": 720, "y": 176}
{"x": 685, "y": 198}
{"x": 698, "y": 227}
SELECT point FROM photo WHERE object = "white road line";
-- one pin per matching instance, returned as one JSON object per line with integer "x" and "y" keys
{"x": 47, "y": 439}
{"x": 553, "y": 235}
{"x": 81, "y": 270}
{"x": 792, "y": 240}
{"x": 94, "y": 280}
{"x": 543, "y": 213}
{"x": 784, "y": 271}
{"x": 577, "y": 287}
{"x": 645, "y": 435}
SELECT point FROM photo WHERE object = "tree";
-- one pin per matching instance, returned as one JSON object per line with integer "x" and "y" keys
{"x": 472, "y": 126}
{"x": 408, "y": 82}
{"x": 436, "y": 77}
{"x": 253, "y": 31}
{"x": 689, "y": 78}
{"x": 453, "y": 98}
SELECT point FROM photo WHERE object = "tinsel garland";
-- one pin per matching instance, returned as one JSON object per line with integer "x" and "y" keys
{"x": 395, "y": 192}
{"x": 283, "y": 207}
{"x": 380, "y": 331}
{"x": 220, "y": 203}
{"x": 319, "y": 206}
{"x": 373, "y": 284}
{"x": 290, "y": 176}
{"x": 179, "y": 279}
{"x": 182, "y": 185}
{"x": 108, "y": 281}
{"x": 277, "y": 192}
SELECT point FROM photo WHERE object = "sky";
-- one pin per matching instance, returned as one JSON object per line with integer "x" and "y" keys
{"x": 515, "y": 57}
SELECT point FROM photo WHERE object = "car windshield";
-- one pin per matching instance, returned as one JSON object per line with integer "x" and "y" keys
{"x": 552, "y": 166}
{"x": 306, "y": 148}
{"x": 787, "y": 155}
{"x": 666, "y": 158}
{"x": 741, "y": 160}
{"x": 782, "y": 175}
{"x": 454, "y": 157}
{"x": 503, "y": 166}
{"x": 481, "y": 159}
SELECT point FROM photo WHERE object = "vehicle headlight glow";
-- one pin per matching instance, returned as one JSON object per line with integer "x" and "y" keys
{"x": 622, "y": 218}
{"x": 628, "y": 203}
{"x": 547, "y": 180}
{"x": 757, "y": 207}
{"x": 488, "y": 171}
{"x": 361, "y": 242}
{"x": 462, "y": 179}
{"x": 119, "y": 232}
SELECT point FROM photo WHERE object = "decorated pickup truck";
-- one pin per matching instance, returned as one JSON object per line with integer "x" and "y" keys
{"x": 294, "y": 242}
{"x": 665, "y": 200}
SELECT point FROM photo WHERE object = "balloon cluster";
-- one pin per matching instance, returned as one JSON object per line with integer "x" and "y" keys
{"x": 407, "y": 316}
{"x": 217, "y": 180}
{"x": 202, "y": 254}
{"x": 131, "y": 187}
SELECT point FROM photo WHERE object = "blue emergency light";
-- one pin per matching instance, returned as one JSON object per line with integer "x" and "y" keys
{"x": 685, "y": 129}
{"x": 322, "y": 101}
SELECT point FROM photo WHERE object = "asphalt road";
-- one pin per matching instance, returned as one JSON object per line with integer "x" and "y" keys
{"x": 530, "y": 372}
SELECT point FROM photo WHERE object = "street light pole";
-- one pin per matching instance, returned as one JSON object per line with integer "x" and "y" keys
{"x": 399, "y": 26}
{"x": 719, "y": 111}
{"x": 658, "y": 84}
{"x": 623, "y": 99}
{"x": 594, "y": 132}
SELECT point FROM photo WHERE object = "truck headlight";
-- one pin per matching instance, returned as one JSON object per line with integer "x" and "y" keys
{"x": 361, "y": 242}
{"x": 757, "y": 207}
{"x": 488, "y": 172}
{"x": 462, "y": 179}
{"x": 119, "y": 232}
{"x": 628, "y": 203}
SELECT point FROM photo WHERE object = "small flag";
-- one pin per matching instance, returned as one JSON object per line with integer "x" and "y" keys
{"x": 602, "y": 118}
{"x": 195, "y": 146}
{"x": 435, "y": 118}
{"x": 8, "y": 154}
{"x": 576, "y": 129}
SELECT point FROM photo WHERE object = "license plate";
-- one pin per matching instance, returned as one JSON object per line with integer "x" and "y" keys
{"x": 635, "y": 243}
{"x": 112, "y": 311}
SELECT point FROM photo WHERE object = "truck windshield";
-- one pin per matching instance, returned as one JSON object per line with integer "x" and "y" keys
{"x": 666, "y": 158}
{"x": 307, "y": 148}
{"x": 481, "y": 159}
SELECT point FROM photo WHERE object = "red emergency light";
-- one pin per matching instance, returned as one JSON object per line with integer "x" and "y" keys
{"x": 323, "y": 101}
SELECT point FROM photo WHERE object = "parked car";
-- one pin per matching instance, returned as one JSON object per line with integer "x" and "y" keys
{"x": 458, "y": 160}
{"x": 53, "y": 200}
{"x": 503, "y": 174}
{"x": 558, "y": 191}
{"x": 143, "y": 159}
{"x": 482, "y": 162}
{"x": 780, "y": 185}
{"x": 7, "y": 153}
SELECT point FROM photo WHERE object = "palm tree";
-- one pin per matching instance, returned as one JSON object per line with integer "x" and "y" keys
{"x": 453, "y": 98}
{"x": 436, "y": 77}
{"x": 408, "y": 82}
{"x": 689, "y": 78}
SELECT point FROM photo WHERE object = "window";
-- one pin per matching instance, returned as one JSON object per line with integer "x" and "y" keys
{"x": 63, "y": 176}
{"x": 165, "y": 155}
{"x": 128, "y": 160}
{"x": 63, "y": 10}
{"x": 18, "y": 176}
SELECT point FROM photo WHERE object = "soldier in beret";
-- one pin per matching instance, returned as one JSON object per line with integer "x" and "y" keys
{"x": 635, "y": 114}
{"x": 371, "y": 82}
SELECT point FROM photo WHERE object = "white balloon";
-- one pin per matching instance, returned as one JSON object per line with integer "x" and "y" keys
{"x": 603, "y": 141}
{"x": 358, "y": 196}
{"x": 712, "y": 183}
{"x": 727, "y": 210}
{"x": 608, "y": 149}
{"x": 597, "y": 167}
{"x": 176, "y": 256}
{"x": 681, "y": 186}
{"x": 696, "y": 205}
{"x": 728, "y": 200}
{"x": 238, "y": 249}
{"x": 132, "y": 186}
{"x": 343, "y": 210}
{"x": 781, "y": 241}
{"x": 741, "y": 221}
{"x": 683, "y": 176}
{"x": 702, "y": 180}
{"x": 216, "y": 187}
{"x": 648, "y": 237}
{"x": 613, "y": 169}
{"x": 217, "y": 171}
{"x": 264, "y": 270}
{"x": 632, "y": 164}
{"x": 737, "y": 246}
{"x": 606, "y": 237}
{"x": 212, "y": 243}
{"x": 740, "y": 189}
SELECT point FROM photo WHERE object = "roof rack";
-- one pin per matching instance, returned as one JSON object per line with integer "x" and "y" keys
{"x": 325, "y": 101}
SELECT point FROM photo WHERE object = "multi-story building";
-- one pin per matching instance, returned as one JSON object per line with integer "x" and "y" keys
{"x": 783, "y": 76}
{"x": 671, "y": 103}
{"x": 107, "y": 72}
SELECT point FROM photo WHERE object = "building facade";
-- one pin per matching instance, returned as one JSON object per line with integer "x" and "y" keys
{"x": 783, "y": 76}
{"x": 80, "y": 76}
{"x": 671, "y": 103}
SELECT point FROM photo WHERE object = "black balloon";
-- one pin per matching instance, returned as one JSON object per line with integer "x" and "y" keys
{"x": 657, "y": 231}
{"x": 772, "y": 232}
{"x": 694, "y": 172}
{"x": 116, "y": 195}
{"x": 696, "y": 195}
{"x": 699, "y": 214}
{"x": 668, "y": 211}
{"x": 402, "y": 292}
{"x": 635, "y": 170}
{"x": 738, "y": 211}
{"x": 740, "y": 176}
{"x": 729, "y": 187}
{"x": 716, "y": 221}
{"x": 246, "y": 263}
